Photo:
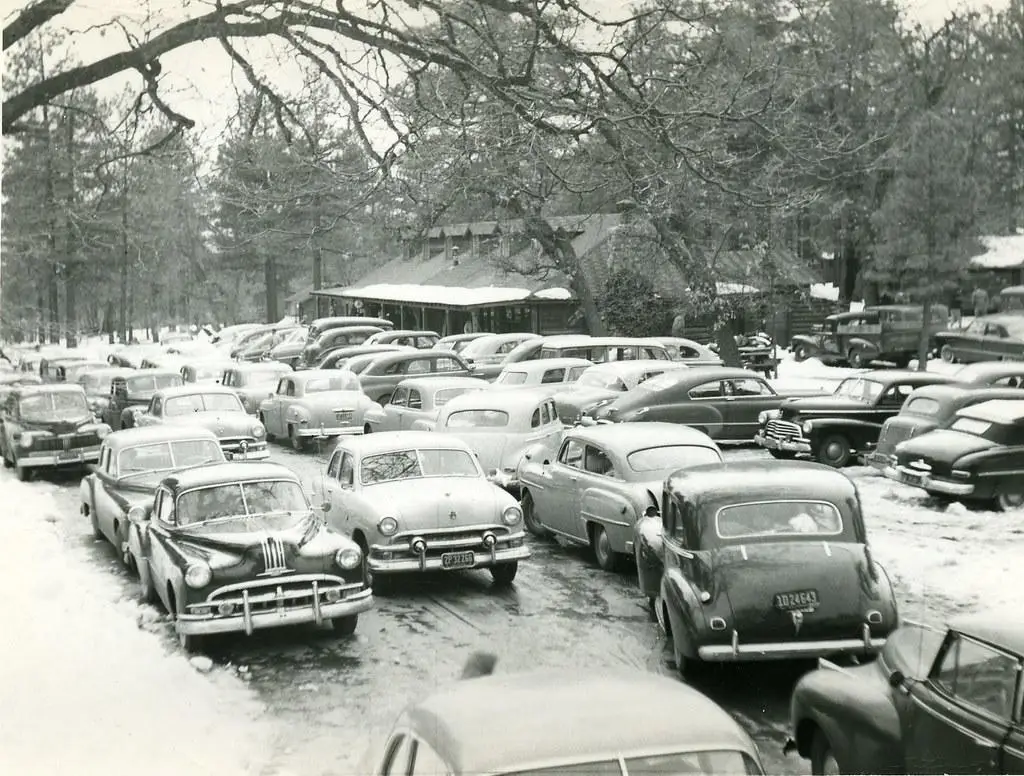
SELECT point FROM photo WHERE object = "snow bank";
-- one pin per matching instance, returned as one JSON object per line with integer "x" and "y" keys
{"x": 827, "y": 291}
{"x": 414, "y": 293}
{"x": 85, "y": 689}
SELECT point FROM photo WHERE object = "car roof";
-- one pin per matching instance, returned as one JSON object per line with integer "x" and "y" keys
{"x": 411, "y": 333}
{"x": 543, "y": 364}
{"x": 636, "y": 436}
{"x": 1000, "y": 318}
{"x": 153, "y": 372}
{"x": 746, "y": 481}
{"x": 210, "y": 361}
{"x": 890, "y": 376}
{"x": 1005, "y": 411}
{"x": 39, "y": 388}
{"x": 305, "y": 375}
{"x": 191, "y": 389}
{"x": 635, "y": 366}
{"x": 552, "y": 715}
{"x": 110, "y": 371}
{"x": 946, "y": 392}
{"x": 387, "y": 441}
{"x": 217, "y": 473}
{"x": 464, "y": 336}
{"x": 695, "y": 375}
{"x": 408, "y": 355}
{"x": 989, "y": 369}
{"x": 68, "y": 357}
{"x": 260, "y": 366}
{"x": 582, "y": 340}
{"x": 440, "y": 383}
{"x": 513, "y": 397}
{"x": 141, "y": 435}
{"x": 1003, "y": 628}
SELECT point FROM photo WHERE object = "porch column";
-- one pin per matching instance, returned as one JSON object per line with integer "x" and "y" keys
{"x": 535, "y": 319}
{"x": 447, "y": 323}
{"x": 401, "y": 316}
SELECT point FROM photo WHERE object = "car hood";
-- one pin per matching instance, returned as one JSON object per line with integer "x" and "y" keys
{"x": 63, "y": 426}
{"x": 942, "y": 445}
{"x": 750, "y": 576}
{"x": 429, "y": 502}
{"x": 218, "y": 422}
{"x": 900, "y": 429}
{"x": 585, "y": 396}
{"x": 820, "y": 403}
{"x": 289, "y": 350}
{"x": 235, "y": 534}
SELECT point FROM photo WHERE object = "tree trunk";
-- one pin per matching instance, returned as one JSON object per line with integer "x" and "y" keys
{"x": 70, "y": 311}
{"x": 318, "y": 256}
{"x": 53, "y": 295}
{"x": 41, "y": 328}
{"x": 924, "y": 345}
{"x": 123, "y": 318}
{"x": 588, "y": 304}
{"x": 270, "y": 280}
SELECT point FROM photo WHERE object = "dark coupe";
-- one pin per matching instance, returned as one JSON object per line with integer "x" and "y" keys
{"x": 834, "y": 429}
{"x": 933, "y": 702}
{"x": 760, "y": 561}
{"x": 987, "y": 338}
{"x": 979, "y": 457}
{"x": 723, "y": 402}
{"x": 235, "y": 547}
{"x": 134, "y": 391}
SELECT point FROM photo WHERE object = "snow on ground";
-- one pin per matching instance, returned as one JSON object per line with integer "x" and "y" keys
{"x": 85, "y": 686}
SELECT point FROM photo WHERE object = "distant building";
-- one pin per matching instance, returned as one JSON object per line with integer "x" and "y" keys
{"x": 1000, "y": 265}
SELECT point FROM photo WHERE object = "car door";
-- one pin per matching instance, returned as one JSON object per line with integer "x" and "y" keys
{"x": 960, "y": 716}
{"x": 700, "y": 406}
{"x": 413, "y": 410}
{"x": 273, "y": 410}
{"x": 889, "y": 402}
{"x": 969, "y": 345}
{"x": 158, "y": 540}
{"x": 395, "y": 410}
{"x": 745, "y": 399}
{"x": 153, "y": 414}
{"x": 999, "y": 344}
{"x": 339, "y": 488}
{"x": 559, "y": 508}
{"x": 107, "y": 509}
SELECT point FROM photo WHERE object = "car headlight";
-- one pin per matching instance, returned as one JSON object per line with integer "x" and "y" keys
{"x": 807, "y": 427}
{"x": 767, "y": 415}
{"x": 348, "y": 558}
{"x": 137, "y": 514}
{"x": 198, "y": 575}
{"x": 512, "y": 515}
{"x": 388, "y": 526}
{"x": 258, "y": 431}
{"x": 26, "y": 439}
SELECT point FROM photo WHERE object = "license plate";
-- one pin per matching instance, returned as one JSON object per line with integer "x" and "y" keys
{"x": 70, "y": 455}
{"x": 458, "y": 560}
{"x": 343, "y": 416}
{"x": 800, "y": 600}
{"x": 911, "y": 479}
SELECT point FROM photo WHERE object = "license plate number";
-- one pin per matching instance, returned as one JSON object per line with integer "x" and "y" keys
{"x": 458, "y": 560}
{"x": 798, "y": 600}
{"x": 911, "y": 479}
{"x": 70, "y": 455}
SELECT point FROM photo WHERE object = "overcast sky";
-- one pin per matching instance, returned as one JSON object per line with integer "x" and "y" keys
{"x": 201, "y": 81}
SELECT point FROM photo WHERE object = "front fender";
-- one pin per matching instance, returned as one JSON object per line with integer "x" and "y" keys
{"x": 614, "y": 511}
{"x": 296, "y": 414}
{"x": 862, "y": 344}
{"x": 805, "y": 339}
{"x": 85, "y": 491}
{"x": 856, "y": 429}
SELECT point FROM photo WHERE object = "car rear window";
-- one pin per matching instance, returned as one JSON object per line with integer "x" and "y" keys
{"x": 478, "y": 419}
{"x": 445, "y": 395}
{"x": 671, "y": 457}
{"x": 778, "y": 518}
{"x": 511, "y": 378}
{"x": 971, "y": 426}
{"x": 152, "y": 383}
{"x": 922, "y": 406}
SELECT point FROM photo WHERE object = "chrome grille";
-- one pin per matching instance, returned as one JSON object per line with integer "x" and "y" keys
{"x": 892, "y": 435}
{"x": 274, "y": 560}
{"x": 343, "y": 416}
{"x": 234, "y": 444}
{"x": 65, "y": 442}
{"x": 440, "y": 541}
{"x": 782, "y": 430}
{"x": 291, "y": 593}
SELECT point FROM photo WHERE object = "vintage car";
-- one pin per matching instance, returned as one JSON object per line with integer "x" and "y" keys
{"x": 934, "y": 702}
{"x": 837, "y": 428}
{"x": 335, "y": 359}
{"x": 131, "y": 464}
{"x": 134, "y": 390}
{"x": 603, "y": 383}
{"x": 164, "y": 361}
{"x": 603, "y": 480}
{"x": 889, "y": 333}
{"x": 998, "y": 374}
{"x": 417, "y": 399}
{"x": 315, "y": 404}
{"x": 236, "y": 547}
{"x": 763, "y": 560}
{"x": 48, "y": 426}
{"x": 500, "y": 426}
{"x": 289, "y": 350}
{"x": 254, "y": 382}
{"x": 320, "y": 325}
{"x": 928, "y": 408}
{"x": 978, "y": 457}
{"x": 584, "y": 722}
{"x": 97, "y": 385}
{"x": 132, "y": 356}
{"x": 1011, "y": 299}
{"x": 487, "y": 354}
{"x": 70, "y": 372}
{"x": 416, "y": 501}
{"x": 723, "y": 402}
{"x": 9, "y": 381}
{"x": 332, "y": 339}
{"x": 690, "y": 352}
{"x": 549, "y": 371}
{"x": 987, "y": 338}
{"x": 383, "y": 373}
{"x": 210, "y": 406}
{"x": 52, "y": 369}
{"x": 206, "y": 371}
{"x": 257, "y": 346}
{"x": 422, "y": 340}
{"x": 456, "y": 343}
{"x": 597, "y": 350}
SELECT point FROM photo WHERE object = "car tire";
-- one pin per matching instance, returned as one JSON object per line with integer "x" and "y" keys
{"x": 834, "y": 450}
{"x": 782, "y": 455}
{"x": 504, "y": 573}
{"x": 947, "y": 355}
{"x": 533, "y": 525}
{"x": 345, "y": 627}
{"x": 367, "y": 428}
{"x": 189, "y": 643}
{"x": 855, "y": 357}
{"x": 1009, "y": 500}
{"x": 802, "y": 353}
{"x": 823, "y": 759}
{"x": 686, "y": 667}
{"x": 297, "y": 442}
{"x": 607, "y": 559}
{"x": 96, "y": 532}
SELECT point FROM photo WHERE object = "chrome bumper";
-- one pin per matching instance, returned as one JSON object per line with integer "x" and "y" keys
{"x": 789, "y": 650}
{"x": 927, "y": 482}
{"x": 248, "y": 455}
{"x": 85, "y": 455}
{"x": 481, "y": 559}
{"x": 248, "y": 621}
{"x": 788, "y": 445}
{"x": 308, "y": 433}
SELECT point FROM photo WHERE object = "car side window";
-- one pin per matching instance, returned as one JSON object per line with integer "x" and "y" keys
{"x": 165, "y": 507}
{"x": 571, "y": 454}
{"x": 707, "y": 390}
{"x": 552, "y": 411}
{"x": 895, "y": 396}
{"x": 417, "y": 366}
{"x": 750, "y": 387}
{"x": 978, "y": 675}
{"x": 687, "y": 352}
{"x": 334, "y": 466}
{"x": 158, "y": 406}
{"x": 545, "y": 414}
{"x": 415, "y": 400}
{"x": 347, "y": 472}
{"x": 553, "y": 376}
{"x": 535, "y": 419}
{"x": 1010, "y": 381}
{"x": 446, "y": 365}
{"x": 598, "y": 462}
{"x": 396, "y": 757}
{"x": 400, "y": 397}
{"x": 507, "y": 347}
{"x": 424, "y": 761}
{"x": 289, "y": 388}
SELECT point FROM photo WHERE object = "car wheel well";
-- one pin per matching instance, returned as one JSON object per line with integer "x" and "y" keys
{"x": 85, "y": 508}
{"x": 360, "y": 539}
{"x": 172, "y": 601}
{"x": 806, "y": 731}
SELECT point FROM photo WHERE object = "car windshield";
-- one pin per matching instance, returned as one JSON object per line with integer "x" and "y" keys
{"x": 202, "y": 402}
{"x": 358, "y": 364}
{"x": 96, "y": 383}
{"x": 598, "y": 380}
{"x": 261, "y": 376}
{"x": 65, "y": 405}
{"x": 512, "y": 378}
{"x": 151, "y": 383}
{"x": 711, "y": 763}
{"x": 413, "y": 464}
{"x": 445, "y": 395}
{"x": 660, "y": 382}
{"x": 859, "y": 389}
{"x": 269, "y": 499}
{"x": 343, "y": 382}
{"x": 778, "y": 518}
{"x": 921, "y": 406}
{"x": 138, "y": 462}
{"x": 469, "y": 419}
{"x": 208, "y": 372}
{"x": 671, "y": 457}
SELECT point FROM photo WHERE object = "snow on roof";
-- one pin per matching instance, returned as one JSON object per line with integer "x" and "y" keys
{"x": 1002, "y": 253}
{"x": 828, "y": 291}
{"x": 734, "y": 289}
{"x": 451, "y": 295}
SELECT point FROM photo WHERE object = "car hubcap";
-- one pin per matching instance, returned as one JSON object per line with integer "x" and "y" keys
{"x": 603, "y": 546}
{"x": 834, "y": 451}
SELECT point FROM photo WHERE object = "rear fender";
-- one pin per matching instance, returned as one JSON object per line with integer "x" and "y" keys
{"x": 614, "y": 511}
{"x": 423, "y": 424}
{"x": 649, "y": 551}
{"x": 696, "y": 414}
{"x": 861, "y": 343}
{"x": 684, "y": 611}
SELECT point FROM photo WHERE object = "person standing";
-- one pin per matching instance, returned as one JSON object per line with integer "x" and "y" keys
{"x": 979, "y": 301}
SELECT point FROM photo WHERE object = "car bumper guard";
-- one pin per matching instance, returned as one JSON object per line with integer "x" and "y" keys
{"x": 923, "y": 480}
{"x": 481, "y": 559}
{"x": 788, "y": 445}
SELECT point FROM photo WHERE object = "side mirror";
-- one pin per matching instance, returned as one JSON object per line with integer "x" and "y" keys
{"x": 897, "y": 679}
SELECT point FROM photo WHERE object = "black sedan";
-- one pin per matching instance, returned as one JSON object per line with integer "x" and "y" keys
{"x": 987, "y": 338}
